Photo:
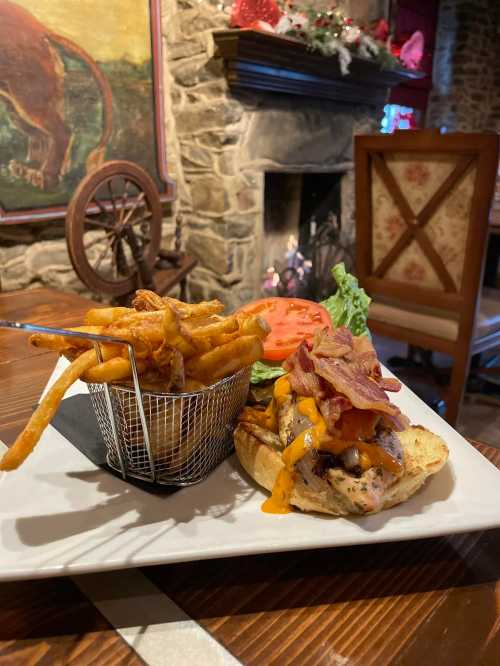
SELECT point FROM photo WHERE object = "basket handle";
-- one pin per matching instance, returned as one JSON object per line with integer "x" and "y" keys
{"x": 96, "y": 339}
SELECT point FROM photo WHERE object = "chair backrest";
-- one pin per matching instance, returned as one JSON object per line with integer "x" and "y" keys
{"x": 422, "y": 206}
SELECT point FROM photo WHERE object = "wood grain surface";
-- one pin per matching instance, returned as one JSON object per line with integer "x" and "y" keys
{"x": 24, "y": 369}
{"x": 48, "y": 622}
{"x": 37, "y": 306}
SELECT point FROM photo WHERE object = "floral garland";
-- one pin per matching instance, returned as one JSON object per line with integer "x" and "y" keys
{"x": 329, "y": 32}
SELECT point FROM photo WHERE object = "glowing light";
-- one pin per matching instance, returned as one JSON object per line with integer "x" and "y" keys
{"x": 398, "y": 117}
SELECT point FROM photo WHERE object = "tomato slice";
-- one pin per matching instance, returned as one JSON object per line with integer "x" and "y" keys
{"x": 292, "y": 320}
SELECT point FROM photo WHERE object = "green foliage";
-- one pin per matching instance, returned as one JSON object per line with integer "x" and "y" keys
{"x": 263, "y": 371}
{"x": 349, "y": 305}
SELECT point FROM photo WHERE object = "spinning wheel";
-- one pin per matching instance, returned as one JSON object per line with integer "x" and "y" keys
{"x": 113, "y": 229}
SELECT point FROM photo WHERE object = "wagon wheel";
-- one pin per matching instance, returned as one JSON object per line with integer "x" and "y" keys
{"x": 113, "y": 228}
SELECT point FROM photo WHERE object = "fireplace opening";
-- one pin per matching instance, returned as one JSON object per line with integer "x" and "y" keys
{"x": 302, "y": 233}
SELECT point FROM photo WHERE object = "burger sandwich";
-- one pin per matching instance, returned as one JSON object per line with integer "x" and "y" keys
{"x": 330, "y": 440}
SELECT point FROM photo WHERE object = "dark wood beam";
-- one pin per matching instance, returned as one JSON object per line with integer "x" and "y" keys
{"x": 263, "y": 61}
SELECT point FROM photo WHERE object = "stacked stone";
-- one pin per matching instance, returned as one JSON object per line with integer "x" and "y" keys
{"x": 466, "y": 78}
{"x": 36, "y": 255}
{"x": 220, "y": 203}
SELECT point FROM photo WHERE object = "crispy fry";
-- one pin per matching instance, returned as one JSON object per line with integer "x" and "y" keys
{"x": 108, "y": 351}
{"x": 187, "y": 310}
{"x": 175, "y": 335}
{"x": 41, "y": 417}
{"x": 59, "y": 343}
{"x": 105, "y": 316}
{"x": 211, "y": 331}
{"x": 191, "y": 385}
{"x": 139, "y": 325}
{"x": 198, "y": 322}
{"x": 112, "y": 371}
{"x": 223, "y": 338}
{"x": 147, "y": 300}
{"x": 170, "y": 364}
{"x": 253, "y": 325}
{"x": 225, "y": 360}
{"x": 224, "y": 325}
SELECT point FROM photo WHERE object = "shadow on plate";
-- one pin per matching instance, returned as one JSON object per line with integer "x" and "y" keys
{"x": 216, "y": 497}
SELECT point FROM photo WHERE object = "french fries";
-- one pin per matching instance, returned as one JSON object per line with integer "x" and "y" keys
{"x": 42, "y": 415}
{"x": 179, "y": 347}
{"x": 225, "y": 360}
{"x": 112, "y": 371}
{"x": 105, "y": 316}
{"x": 60, "y": 343}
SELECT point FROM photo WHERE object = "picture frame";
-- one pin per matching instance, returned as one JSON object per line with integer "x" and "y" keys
{"x": 86, "y": 88}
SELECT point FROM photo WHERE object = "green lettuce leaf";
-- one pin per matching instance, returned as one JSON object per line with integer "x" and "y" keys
{"x": 349, "y": 305}
{"x": 263, "y": 371}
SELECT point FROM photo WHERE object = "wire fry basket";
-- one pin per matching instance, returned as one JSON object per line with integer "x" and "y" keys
{"x": 189, "y": 433}
{"x": 163, "y": 438}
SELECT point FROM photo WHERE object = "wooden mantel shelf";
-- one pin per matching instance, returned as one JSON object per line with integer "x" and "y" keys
{"x": 263, "y": 61}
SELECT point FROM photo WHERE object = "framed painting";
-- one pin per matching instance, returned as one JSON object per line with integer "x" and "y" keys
{"x": 80, "y": 84}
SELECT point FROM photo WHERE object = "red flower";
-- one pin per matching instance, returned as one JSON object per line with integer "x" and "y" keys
{"x": 417, "y": 173}
{"x": 246, "y": 12}
{"x": 393, "y": 225}
{"x": 414, "y": 272}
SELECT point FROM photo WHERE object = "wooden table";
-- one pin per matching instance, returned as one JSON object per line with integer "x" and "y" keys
{"x": 434, "y": 601}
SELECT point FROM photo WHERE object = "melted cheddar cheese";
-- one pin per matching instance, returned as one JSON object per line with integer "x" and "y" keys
{"x": 315, "y": 437}
{"x": 371, "y": 454}
{"x": 279, "y": 502}
{"x": 282, "y": 390}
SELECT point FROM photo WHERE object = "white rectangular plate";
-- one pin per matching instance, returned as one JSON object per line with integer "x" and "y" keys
{"x": 62, "y": 515}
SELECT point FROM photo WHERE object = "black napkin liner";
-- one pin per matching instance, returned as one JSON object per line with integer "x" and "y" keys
{"x": 76, "y": 421}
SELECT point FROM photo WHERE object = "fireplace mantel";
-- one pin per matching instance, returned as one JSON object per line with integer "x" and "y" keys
{"x": 263, "y": 61}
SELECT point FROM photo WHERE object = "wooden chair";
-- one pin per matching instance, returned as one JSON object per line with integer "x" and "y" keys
{"x": 422, "y": 206}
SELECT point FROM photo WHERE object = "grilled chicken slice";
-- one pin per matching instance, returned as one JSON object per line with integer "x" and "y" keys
{"x": 350, "y": 494}
{"x": 389, "y": 440}
{"x": 264, "y": 435}
{"x": 290, "y": 421}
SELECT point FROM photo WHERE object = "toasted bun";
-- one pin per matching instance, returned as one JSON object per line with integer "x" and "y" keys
{"x": 424, "y": 454}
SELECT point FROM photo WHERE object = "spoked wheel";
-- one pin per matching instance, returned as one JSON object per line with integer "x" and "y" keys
{"x": 113, "y": 228}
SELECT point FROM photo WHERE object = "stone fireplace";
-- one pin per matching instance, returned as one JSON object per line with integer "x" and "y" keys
{"x": 223, "y": 143}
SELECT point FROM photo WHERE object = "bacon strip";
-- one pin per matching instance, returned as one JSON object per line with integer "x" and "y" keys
{"x": 331, "y": 410}
{"x": 302, "y": 377}
{"x": 349, "y": 380}
{"x": 332, "y": 345}
{"x": 389, "y": 384}
{"x": 342, "y": 371}
{"x": 366, "y": 356}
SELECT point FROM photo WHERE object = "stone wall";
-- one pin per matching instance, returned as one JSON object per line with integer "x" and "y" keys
{"x": 36, "y": 255}
{"x": 466, "y": 78}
